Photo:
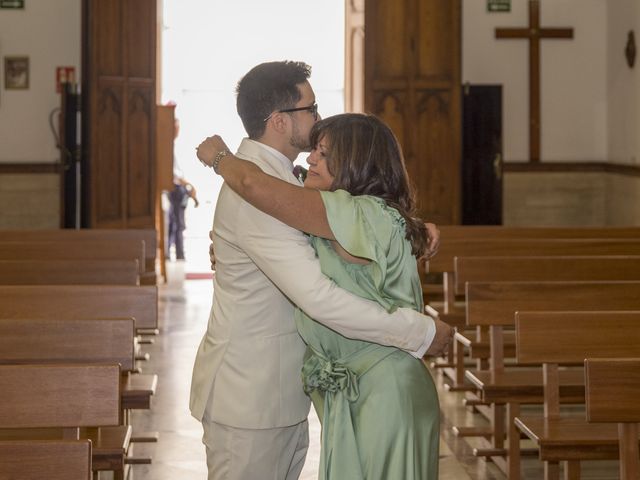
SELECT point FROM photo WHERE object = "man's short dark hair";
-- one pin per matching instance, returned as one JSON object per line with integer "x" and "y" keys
{"x": 266, "y": 88}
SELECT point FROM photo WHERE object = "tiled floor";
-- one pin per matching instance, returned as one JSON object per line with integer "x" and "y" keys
{"x": 179, "y": 453}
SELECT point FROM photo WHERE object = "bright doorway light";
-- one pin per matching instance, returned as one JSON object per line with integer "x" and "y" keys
{"x": 207, "y": 46}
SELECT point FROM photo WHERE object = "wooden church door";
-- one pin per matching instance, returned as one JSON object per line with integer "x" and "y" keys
{"x": 412, "y": 80}
{"x": 119, "y": 101}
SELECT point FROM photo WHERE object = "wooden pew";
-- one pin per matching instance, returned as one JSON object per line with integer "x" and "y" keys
{"x": 82, "y": 301}
{"x": 443, "y": 262}
{"x": 490, "y": 269}
{"x": 69, "y": 272}
{"x": 612, "y": 393}
{"x": 80, "y": 340}
{"x": 84, "y": 341}
{"x": 574, "y": 335}
{"x": 44, "y": 402}
{"x": 69, "y": 236}
{"x": 112, "y": 249}
{"x": 50, "y": 459}
{"x": 532, "y": 269}
{"x": 494, "y": 305}
{"x": 90, "y": 302}
{"x": 497, "y": 233}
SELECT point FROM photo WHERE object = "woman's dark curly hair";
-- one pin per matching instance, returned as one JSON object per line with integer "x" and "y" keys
{"x": 365, "y": 158}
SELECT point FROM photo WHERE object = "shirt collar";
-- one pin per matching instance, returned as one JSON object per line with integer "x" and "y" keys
{"x": 288, "y": 164}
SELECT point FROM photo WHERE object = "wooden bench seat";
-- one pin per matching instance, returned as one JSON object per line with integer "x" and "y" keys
{"x": 444, "y": 262}
{"x": 50, "y": 459}
{"x": 576, "y": 335}
{"x": 69, "y": 272}
{"x": 494, "y": 305}
{"x": 525, "y": 385}
{"x": 69, "y": 236}
{"x": 568, "y": 437}
{"x": 529, "y": 269}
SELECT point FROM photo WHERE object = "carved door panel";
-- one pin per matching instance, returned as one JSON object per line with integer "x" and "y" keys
{"x": 119, "y": 98}
{"x": 412, "y": 79}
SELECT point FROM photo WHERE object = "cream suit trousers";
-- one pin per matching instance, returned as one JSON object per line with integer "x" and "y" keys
{"x": 255, "y": 454}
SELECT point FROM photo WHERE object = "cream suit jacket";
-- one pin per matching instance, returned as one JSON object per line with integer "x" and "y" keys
{"x": 247, "y": 369}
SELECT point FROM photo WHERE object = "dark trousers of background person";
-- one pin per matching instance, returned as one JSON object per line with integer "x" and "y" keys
{"x": 178, "y": 199}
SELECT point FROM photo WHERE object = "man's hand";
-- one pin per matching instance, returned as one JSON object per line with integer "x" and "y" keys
{"x": 212, "y": 255}
{"x": 434, "y": 241}
{"x": 442, "y": 341}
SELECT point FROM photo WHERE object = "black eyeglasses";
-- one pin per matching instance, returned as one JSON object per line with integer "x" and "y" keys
{"x": 312, "y": 108}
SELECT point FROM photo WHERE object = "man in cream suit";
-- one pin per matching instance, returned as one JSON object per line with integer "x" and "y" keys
{"x": 246, "y": 387}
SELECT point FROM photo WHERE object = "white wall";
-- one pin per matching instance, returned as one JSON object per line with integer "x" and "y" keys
{"x": 637, "y": 80}
{"x": 623, "y": 84}
{"x": 573, "y": 76}
{"x": 48, "y": 32}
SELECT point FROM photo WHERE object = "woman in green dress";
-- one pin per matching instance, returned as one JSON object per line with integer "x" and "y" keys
{"x": 378, "y": 405}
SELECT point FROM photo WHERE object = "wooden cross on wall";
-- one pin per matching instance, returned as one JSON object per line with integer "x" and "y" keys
{"x": 534, "y": 33}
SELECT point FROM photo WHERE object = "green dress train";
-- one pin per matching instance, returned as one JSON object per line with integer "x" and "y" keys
{"x": 378, "y": 405}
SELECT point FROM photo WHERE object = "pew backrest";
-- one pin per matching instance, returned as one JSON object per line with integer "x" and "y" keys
{"x": 45, "y": 459}
{"x": 568, "y": 337}
{"x": 613, "y": 389}
{"x": 483, "y": 232}
{"x": 69, "y": 272}
{"x": 40, "y": 341}
{"x": 444, "y": 260}
{"x": 59, "y": 396}
{"x": 90, "y": 249}
{"x": 149, "y": 236}
{"x": 495, "y": 303}
{"x": 541, "y": 269}
{"x": 81, "y": 301}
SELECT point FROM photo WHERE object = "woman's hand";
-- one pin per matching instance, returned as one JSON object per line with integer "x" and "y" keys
{"x": 209, "y": 148}
{"x": 442, "y": 340}
{"x": 434, "y": 240}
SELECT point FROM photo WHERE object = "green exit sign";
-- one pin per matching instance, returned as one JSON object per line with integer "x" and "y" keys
{"x": 498, "y": 5}
{"x": 11, "y": 3}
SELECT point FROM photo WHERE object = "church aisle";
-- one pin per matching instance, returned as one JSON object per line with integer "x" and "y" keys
{"x": 179, "y": 453}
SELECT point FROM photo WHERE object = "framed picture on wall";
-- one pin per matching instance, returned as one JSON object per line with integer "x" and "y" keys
{"x": 16, "y": 73}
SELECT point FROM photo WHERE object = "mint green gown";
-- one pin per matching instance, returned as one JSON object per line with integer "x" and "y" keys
{"x": 378, "y": 405}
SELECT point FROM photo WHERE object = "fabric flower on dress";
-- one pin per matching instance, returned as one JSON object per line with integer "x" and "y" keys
{"x": 328, "y": 376}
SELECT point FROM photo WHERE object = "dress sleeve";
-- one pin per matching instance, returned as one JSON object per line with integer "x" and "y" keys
{"x": 363, "y": 226}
